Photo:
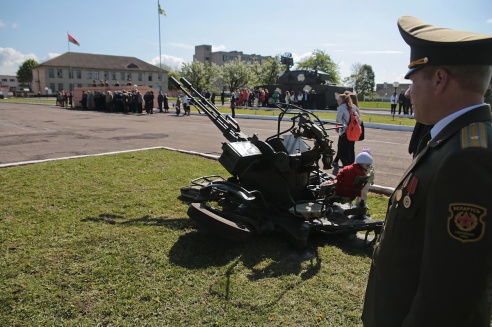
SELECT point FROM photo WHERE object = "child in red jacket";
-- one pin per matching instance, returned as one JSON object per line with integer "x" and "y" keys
{"x": 347, "y": 183}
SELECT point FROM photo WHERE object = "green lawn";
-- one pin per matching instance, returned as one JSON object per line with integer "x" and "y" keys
{"x": 104, "y": 241}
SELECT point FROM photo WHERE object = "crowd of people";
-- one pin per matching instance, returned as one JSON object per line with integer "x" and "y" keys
{"x": 64, "y": 99}
{"x": 126, "y": 101}
{"x": 261, "y": 97}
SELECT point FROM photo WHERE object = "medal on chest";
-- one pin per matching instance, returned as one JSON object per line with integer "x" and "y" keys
{"x": 406, "y": 190}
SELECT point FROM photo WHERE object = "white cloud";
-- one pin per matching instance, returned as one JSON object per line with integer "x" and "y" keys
{"x": 11, "y": 59}
{"x": 2, "y": 24}
{"x": 217, "y": 48}
{"x": 15, "y": 25}
{"x": 489, "y": 20}
{"x": 171, "y": 61}
{"x": 301, "y": 57}
{"x": 50, "y": 56}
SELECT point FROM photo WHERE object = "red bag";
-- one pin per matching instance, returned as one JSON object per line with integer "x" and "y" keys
{"x": 354, "y": 130}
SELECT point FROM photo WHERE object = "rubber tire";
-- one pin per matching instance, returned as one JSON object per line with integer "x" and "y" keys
{"x": 219, "y": 225}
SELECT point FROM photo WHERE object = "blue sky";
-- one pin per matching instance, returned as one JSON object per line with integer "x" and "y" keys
{"x": 357, "y": 31}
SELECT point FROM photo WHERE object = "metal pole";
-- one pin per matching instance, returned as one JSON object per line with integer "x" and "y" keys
{"x": 160, "y": 64}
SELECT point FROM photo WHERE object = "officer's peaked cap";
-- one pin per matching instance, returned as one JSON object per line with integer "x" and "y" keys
{"x": 431, "y": 45}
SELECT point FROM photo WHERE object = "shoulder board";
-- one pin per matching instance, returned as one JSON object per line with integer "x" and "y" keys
{"x": 474, "y": 136}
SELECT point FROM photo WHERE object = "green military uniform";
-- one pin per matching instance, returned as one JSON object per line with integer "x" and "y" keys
{"x": 433, "y": 263}
{"x": 461, "y": 227}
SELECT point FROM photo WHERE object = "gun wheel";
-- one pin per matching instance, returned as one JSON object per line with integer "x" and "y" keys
{"x": 217, "y": 222}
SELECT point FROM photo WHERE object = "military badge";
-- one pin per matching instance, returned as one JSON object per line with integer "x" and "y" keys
{"x": 407, "y": 202}
{"x": 466, "y": 222}
{"x": 398, "y": 195}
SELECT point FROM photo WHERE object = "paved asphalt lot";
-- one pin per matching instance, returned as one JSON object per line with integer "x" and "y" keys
{"x": 38, "y": 132}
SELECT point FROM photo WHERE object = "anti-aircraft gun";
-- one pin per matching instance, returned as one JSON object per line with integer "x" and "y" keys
{"x": 276, "y": 184}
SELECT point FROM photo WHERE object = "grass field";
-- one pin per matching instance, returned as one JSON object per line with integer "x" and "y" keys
{"x": 104, "y": 241}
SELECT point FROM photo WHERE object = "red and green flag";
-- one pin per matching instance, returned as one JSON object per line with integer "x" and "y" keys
{"x": 73, "y": 40}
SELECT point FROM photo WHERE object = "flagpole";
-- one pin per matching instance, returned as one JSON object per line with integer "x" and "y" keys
{"x": 160, "y": 64}
{"x": 69, "y": 62}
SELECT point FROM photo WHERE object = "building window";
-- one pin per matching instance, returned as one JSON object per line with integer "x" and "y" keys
{"x": 78, "y": 74}
{"x": 59, "y": 73}
{"x": 96, "y": 75}
{"x": 70, "y": 73}
{"x": 129, "y": 76}
{"x": 89, "y": 74}
{"x": 113, "y": 76}
{"x": 106, "y": 75}
{"x": 224, "y": 58}
{"x": 51, "y": 73}
{"x": 60, "y": 86}
{"x": 52, "y": 87}
{"x": 70, "y": 87}
{"x": 122, "y": 76}
{"x": 150, "y": 77}
{"x": 12, "y": 80}
{"x": 140, "y": 77}
{"x": 4, "y": 80}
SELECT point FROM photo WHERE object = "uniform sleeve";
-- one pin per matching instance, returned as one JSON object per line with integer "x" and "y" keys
{"x": 456, "y": 259}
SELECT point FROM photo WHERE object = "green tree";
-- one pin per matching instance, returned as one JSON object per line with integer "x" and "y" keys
{"x": 24, "y": 73}
{"x": 365, "y": 80}
{"x": 236, "y": 73}
{"x": 200, "y": 75}
{"x": 319, "y": 60}
{"x": 256, "y": 76}
{"x": 354, "y": 72}
{"x": 270, "y": 70}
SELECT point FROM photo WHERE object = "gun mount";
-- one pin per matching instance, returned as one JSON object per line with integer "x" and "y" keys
{"x": 276, "y": 184}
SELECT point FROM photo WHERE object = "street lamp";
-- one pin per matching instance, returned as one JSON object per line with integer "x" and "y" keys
{"x": 395, "y": 85}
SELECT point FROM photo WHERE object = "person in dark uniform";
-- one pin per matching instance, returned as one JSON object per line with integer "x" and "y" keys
{"x": 432, "y": 265}
{"x": 401, "y": 101}
{"x": 166, "y": 103}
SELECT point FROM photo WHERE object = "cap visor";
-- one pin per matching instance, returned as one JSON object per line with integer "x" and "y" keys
{"x": 411, "y": 71}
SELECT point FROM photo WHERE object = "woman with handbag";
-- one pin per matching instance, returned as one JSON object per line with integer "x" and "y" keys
{"x": 345, "y": 148}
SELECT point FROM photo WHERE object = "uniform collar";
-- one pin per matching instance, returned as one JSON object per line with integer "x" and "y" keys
{"x": 468, "y": 115}
{"x": 439, "y": 126}
{"x": 482, "y": 113}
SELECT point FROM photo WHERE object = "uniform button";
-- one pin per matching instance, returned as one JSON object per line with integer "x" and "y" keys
{"x": 396, "y": 206}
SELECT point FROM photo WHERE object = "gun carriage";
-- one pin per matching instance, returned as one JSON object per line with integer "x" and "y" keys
{"x": 276, "y": 184}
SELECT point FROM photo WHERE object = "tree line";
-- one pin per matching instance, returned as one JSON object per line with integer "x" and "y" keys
{"x": 238, "y": 73}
